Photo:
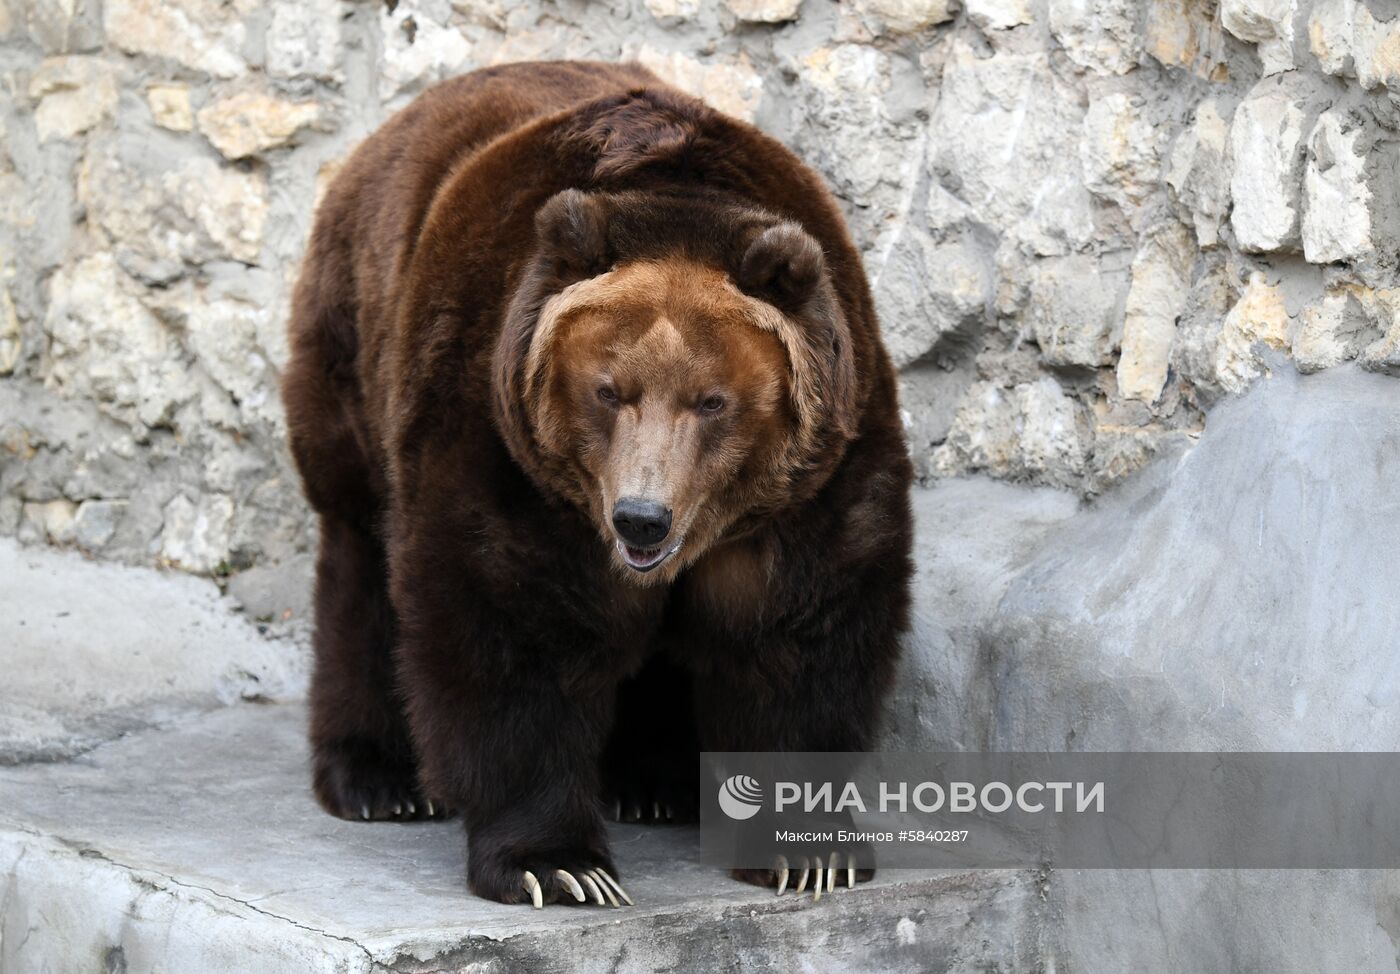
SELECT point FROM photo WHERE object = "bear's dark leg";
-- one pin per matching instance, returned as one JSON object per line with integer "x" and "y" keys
{"x": 812, "y": 677}
{"x": 651, "y": 765}
{"x": 510, "y": 711}
{"x": 363, "y": 765}
{"x": 800, "y": 691}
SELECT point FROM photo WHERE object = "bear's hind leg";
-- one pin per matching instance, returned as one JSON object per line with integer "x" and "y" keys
{"x": 651, "y": 765}
{"x": 363, "y": 763}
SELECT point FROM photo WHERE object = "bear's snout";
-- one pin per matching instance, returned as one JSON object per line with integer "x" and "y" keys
{"x": 641, "y": 523}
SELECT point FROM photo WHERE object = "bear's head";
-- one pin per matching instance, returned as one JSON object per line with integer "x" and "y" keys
{"x": 674, "y": 372}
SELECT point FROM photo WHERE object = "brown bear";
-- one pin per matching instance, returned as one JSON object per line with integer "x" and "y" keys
{"x": 587, "y": 390}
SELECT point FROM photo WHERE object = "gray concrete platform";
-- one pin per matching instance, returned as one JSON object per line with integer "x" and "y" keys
{"x": 1237, "y": 595}
{"x": 155, "y": 814}
{"x": 197, "y": 848}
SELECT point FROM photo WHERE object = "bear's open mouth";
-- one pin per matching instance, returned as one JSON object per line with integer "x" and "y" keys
{"x": 645, "y": 559}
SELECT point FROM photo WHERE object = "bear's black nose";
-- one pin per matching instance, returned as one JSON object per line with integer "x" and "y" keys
{"x": 641, "y": 523}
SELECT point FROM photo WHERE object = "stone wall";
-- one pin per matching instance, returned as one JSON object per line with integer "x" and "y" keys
{"x": 1085, "y": 220}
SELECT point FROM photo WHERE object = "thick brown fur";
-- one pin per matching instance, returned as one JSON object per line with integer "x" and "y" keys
{"x": 479, "y": 645}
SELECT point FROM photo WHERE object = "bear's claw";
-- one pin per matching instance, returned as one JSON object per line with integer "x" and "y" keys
{"x": 660, "y": 812}
{"x": 570, "y": 883}
{"x": 357, "y": 781}
{"x": 607, "y": 878}
{"x": 823, "y": 877}
{"x": 607, "y": 891}
{"x": 406, "y": 810}
{"x": 593, "y": 888}
{"x": 597, "y": 881}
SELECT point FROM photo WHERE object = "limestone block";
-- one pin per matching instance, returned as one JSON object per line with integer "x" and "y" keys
{"x": 1008, "y": 142}
{"x": 170, "y": 106}
{"x": 1332, "y": 331}
{"x": 205, "y": 35}
{"x": 74, "y": 93}
{"x": 304, "y": 39}
{"x": 1351, "y": 207}
{"x": 764, "y": 11}
{"x": 1349, "y": 41}
{"x": 998, "y": 14}
{"x": 1383, "y": 355}
{"x": 1029, "y": 432}
{"x": 672, "y": 10}
{"x": 1198, "y": 171}
{"x": 1267, "y": 143}
{"x": 733, "y": 88}
{"x": 926, "y": 290}
{"x": 1187, "y": 34}
{"x": 1268, "y": 23}
{"x": 1375, "y": 48}
{"x": 1075, "y": 310}
{"x": 1119, "y": 151}
{"x": 905, "y": 16}
{"x": 96, "y": 522}
{"x": 57, "y": 26}
{"x": 325, "y": 177}
{"x": 250, "y": 122}
{"x": 1100, "y": 35}
{"x": 105, "y": 346}
{"x": 1330, "y": 28}
{"x": 48, "y": 521}
{"x": 11, "y": 339}
{"x": 195, "y": 536}
{"x": 853, "y": 138}
{"x": 229, "y": 206}
{"x": 1161, "y": 281}
{"x": 1213, "y": 293}
{"x": 160, "y": 217}
{"x": 1258, "y": 318}
{"x": 418, "y": 49}
{"x": 235, "y": 334}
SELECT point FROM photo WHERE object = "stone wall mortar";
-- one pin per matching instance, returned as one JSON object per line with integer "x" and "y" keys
{"x": 1085, "y": 220}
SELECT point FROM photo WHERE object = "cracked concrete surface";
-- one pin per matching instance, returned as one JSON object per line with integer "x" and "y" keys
{"x": 153, "y": 819}
{"x": 197, "y": 847}
{"x": 1240, "y": 594}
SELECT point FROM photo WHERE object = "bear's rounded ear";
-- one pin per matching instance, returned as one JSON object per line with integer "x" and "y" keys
{"x": 783, "y": 265}
{"x": 572, "y": 227}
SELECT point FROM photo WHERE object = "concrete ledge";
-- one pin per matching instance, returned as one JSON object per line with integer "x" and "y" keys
{"x": 198, "y": 848}
{"x": 1237, "y": 595}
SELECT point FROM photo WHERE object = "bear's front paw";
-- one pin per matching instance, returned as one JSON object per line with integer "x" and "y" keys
{"x": 355, "y": 780}
{"x": 548, "y": 879}
{"x": 823, "y": 874}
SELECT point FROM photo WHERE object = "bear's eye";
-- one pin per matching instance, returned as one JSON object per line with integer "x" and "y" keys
{"x": 712, "y": 405}
{"x": 608, "y": 395}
